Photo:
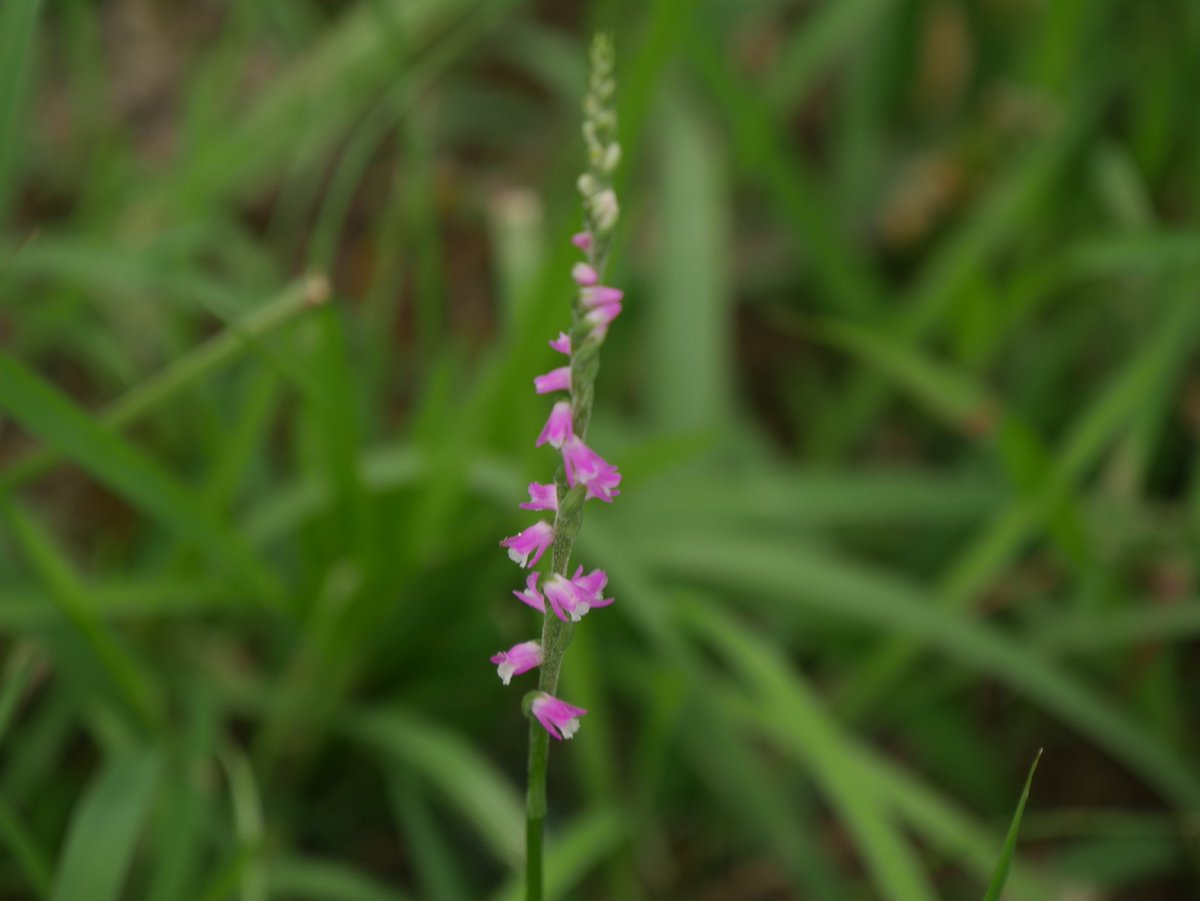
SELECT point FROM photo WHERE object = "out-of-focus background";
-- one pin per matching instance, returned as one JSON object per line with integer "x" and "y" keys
{"x": 906, "y": 397}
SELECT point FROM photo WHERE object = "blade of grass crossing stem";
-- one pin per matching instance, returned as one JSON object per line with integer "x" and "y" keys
{"x": 104, "y": 828}
{"x": 467, "y": 780}
{"x": 1095, "y": 430}
{"x": 790, "y": 714}
{"x": 996, "y": 887}
{"x": 18, "y": 45}
{"x": 136, "y": 688}
{"x": 137, "y": 477}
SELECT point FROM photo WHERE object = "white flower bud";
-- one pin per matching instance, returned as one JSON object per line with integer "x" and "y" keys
{"x": 604, "y": 210}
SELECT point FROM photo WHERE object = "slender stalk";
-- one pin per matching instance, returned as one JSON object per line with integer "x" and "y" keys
{"x": 599, "y": 208}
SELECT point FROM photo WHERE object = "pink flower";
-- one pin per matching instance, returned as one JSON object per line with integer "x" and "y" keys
{"x": 591, "y": 587}
{"x": 562, "y": 343}
{"x": 541, "y": 497}
{"x": 600, "y": 295}
{"x": 586, "y": 467}
{"x": 564, "y": 598}
{"x": 574, "y": 598}
{"x": 559, "y": 718}
{"x": 532, "y": 541}
{"x": 582, "y": 240}
{"x": 554, "y": 380}
{"x": 602, "y": 316}
{"x": 531, "y": 595}
{"x": 584, "y": 274}
{"x": 520, "y": 658}
{"x": 558, "y": 427}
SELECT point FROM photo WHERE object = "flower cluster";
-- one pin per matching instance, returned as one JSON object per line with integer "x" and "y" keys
{"x": 569, "y": 599}
{"x": 564, "y": 599}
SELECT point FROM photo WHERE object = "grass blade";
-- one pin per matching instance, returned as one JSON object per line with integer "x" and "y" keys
{"x": 105, "y": 827}
{"x": 1010, "y": 842}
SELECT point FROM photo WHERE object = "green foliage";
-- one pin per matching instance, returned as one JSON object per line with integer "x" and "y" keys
{"x": 904, "y": 394}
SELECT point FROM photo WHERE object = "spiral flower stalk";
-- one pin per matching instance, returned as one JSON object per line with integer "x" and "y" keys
{"x": 584, "y": 474}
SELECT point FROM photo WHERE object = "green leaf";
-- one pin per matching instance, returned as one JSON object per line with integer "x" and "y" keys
{"x": 104, "y": 828}
{"x": 1010, "y": 842}
{"x": 50, "y": 415}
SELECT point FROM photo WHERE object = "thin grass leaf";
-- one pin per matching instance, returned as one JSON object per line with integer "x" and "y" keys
{"x": 996, "y": 887}
{"x": 47, "y": 413}
{"x": 104, "y": 828}
{"x": 466, "y": 779}
{"x": 18, "y": 45}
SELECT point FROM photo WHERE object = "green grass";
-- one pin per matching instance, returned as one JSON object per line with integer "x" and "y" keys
{"x": 904, "y": 396}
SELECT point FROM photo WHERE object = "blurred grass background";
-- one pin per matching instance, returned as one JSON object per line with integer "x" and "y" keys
{"x": 906, "y": 396}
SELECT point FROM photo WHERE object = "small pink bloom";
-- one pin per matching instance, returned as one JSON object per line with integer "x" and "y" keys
{"x": 602, "y": 316}
{"x": 554, "y": 380}
{"x": 591, "y": 587}
{"x": 584, "y": 274}
{"x": 582, "y": 240}
{"x": 558, "y": 427}
{"x": 600, "y": 295}
{"x": 520, "y": 658}
{"x": 564, "y": 598}
{"x": 562, "y": 343}
{"x": 541, "y": 497}
{"x": 586, "y": 467}
{"x": 532, "y": 541}
{"x": 531, "y": 595}
{"x": 559, "y": 718}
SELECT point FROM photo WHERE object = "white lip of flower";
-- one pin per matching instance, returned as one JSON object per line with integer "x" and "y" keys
{"x": 517, "y": 557}
{"x": 506, "y": 671}
{"x": 580, "y": 610}
{"x": 569, "y": 728}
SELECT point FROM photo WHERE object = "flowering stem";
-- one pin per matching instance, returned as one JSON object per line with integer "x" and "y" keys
{"x": 600, "y": 214}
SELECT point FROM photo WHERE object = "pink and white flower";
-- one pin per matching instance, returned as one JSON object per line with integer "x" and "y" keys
{"x": 601, "y": 317}
{"x": 531, "y": 542}
{"x": 591, "y": 587}
{"x": 562, "y": 343}
{"x": 586, "y": 467}
{"x": 520, "y": 658}
{"x": 531, "y": 595}
{"x": 584, "y": 274}
{"x": 558, "y": 428}
{"x": 554, "y": 380}
{"x": 600, "y": 295}
{"x": 541, "y": 497}
{"x": 559, "y": 718}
